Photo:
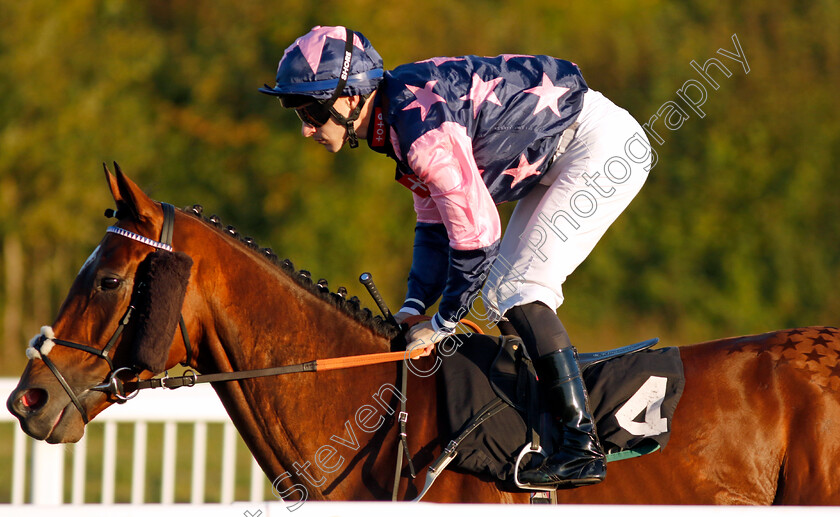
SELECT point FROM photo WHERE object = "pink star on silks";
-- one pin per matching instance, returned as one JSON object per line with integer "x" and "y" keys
{"x": 440, "y": 60}
{"x": 523, "y": 170}
{"x": 312, "y": 44}
{"x": 547, "y": 94}
{"x": 425, "y": 97}
{"x": 482, "y": 91}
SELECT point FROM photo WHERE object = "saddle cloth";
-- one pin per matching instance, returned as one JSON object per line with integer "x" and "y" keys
{"x": 632, "y": 397}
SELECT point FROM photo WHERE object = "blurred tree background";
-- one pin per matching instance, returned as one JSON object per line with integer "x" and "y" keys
{"x": 735, "y": 232}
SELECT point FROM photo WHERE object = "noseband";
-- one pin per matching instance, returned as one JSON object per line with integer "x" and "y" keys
{"x": 112, "y": 385}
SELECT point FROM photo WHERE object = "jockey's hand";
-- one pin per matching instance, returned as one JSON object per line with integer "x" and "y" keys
{"x": 401, "y": 316}
{"x": 423, "y": 336}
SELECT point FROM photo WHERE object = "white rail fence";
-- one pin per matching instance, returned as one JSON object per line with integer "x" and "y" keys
{"x": 152, "y": 426}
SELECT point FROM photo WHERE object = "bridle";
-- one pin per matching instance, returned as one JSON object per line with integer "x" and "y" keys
{"x": 113, "y": 385}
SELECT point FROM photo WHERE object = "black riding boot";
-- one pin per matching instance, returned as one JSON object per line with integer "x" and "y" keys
{"x": 580, "y": 459}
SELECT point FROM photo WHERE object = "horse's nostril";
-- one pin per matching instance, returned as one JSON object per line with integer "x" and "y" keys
{"x": 34, "y": 399}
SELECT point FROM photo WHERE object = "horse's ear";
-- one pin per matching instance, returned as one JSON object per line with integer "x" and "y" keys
{"x": 112, "y": 184}
{"x": 131, "y": 201}
{"x": 166, "y": 275}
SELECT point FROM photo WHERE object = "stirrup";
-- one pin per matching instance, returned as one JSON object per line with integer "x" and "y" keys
{"x": 527, "y": 450}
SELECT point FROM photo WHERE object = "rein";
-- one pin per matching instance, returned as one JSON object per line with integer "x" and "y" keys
{"x": 318, "y": 365}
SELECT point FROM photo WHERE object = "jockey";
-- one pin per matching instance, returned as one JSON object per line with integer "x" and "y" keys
{"x": 468, "y": 133}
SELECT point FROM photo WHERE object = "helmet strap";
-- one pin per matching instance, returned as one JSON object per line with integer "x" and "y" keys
{"x": 348, "y": 121}
{"x": 345, "y": 66}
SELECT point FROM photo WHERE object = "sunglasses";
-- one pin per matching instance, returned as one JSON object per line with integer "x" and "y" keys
{"x": 314, "y": 114}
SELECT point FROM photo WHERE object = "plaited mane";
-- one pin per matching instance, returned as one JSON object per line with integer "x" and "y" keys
{"x": 350, "y": 306}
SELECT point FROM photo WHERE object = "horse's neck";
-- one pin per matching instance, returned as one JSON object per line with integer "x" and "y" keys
{"x": 260, "y": 315}
{"x": 257, "y": 317}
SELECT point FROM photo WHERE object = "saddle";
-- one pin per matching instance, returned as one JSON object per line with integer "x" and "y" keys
{"x": 495, "y": 422}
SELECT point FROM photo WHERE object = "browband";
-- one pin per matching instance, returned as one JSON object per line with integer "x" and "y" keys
{"x": 139, "y": 238}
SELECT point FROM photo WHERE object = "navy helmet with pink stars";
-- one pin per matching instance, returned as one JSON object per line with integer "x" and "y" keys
{"x": 324, "y": 59}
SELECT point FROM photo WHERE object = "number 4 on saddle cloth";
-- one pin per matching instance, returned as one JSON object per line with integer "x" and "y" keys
{"x": 633, "y": 393}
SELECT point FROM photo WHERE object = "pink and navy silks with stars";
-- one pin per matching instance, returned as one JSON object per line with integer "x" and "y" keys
{"x": 468, "y": 133}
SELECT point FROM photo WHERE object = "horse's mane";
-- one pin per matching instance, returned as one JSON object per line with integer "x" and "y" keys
{"x": 350, "y": 306}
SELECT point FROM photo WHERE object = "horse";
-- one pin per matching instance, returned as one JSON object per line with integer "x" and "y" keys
{"x": 757, "y": 422}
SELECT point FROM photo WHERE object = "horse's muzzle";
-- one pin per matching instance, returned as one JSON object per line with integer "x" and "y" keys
{"x": 46, "y": 415}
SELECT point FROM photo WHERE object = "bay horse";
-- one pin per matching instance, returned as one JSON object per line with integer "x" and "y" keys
{"x": 758, "y": 422}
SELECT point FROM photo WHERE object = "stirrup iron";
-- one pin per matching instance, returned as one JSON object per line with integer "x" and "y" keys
{"x": 527, "y": 450}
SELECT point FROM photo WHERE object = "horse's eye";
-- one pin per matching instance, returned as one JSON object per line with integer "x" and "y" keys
{"x": 109, "y": 283}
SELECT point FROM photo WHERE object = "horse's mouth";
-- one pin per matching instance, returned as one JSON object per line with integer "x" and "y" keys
{"x": 55, "y": 423}
{"x": 67, "y": 426}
